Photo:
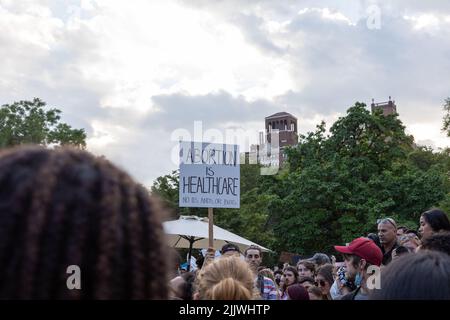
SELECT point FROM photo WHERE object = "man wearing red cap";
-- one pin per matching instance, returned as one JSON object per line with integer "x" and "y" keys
{"x": 359, "y": 255}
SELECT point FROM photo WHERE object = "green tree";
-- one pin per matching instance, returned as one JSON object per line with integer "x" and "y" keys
{"x": 338, "y": 185}
{"x": 446, "y": 126}
{"x": 28, "y": 122}
{"x": 167, "y": 189}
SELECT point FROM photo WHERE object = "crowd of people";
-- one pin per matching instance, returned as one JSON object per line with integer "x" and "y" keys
{"x": 394, "y": 263}
{"x": 65, "y": 207}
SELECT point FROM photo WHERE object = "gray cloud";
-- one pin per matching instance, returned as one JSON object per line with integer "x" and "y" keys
{"x": 332, "y": 64}
{"x": 214, "y": 109}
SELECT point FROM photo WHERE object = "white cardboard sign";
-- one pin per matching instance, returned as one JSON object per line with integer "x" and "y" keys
{"x": 209, "y": 175}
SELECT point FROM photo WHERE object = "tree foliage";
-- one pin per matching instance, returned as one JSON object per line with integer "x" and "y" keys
{"x": 28, "y": 122}
{"x": 446, "y": 126}
{"x": 340, "y": 184}
{"x": 336, "y": 185}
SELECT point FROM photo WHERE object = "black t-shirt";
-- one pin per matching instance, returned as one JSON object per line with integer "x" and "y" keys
{"x": 387, "y": 256}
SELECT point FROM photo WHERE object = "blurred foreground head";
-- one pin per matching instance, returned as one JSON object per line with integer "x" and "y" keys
{"x": 65, "y": 207}
{"x": 421, "y": 276}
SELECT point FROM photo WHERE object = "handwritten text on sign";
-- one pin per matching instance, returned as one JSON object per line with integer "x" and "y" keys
{"x": 209, "y": 185}
{"x": 209, "y": 153}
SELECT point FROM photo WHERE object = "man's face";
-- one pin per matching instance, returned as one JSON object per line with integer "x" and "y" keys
{"x": 387, "y": 233}
{"x": 303, "y": 271}
{"x": 290, "y": 277}
{"x": 350, "y": 272}
{"x": 253, "y": 258}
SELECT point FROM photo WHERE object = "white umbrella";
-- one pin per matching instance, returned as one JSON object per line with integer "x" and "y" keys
{"x": 192, "y": 232}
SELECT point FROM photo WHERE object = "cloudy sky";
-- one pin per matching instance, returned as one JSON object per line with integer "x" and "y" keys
{"x": 138, "y": 74}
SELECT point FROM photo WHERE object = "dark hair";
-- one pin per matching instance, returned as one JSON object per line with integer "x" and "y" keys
{"x": 400, "y": 250}
{"x": 305, "y": 279}
{"x": 316, "y": 291}
{"x": 295, "y": 272}
{"x": 413, "y": 231}
{"x": 308, "y": 265}
{"x": 278, "y": 272}
{"x": 66, "y": 207}
{"x": 297, "y": 292}
{"x": 187, "y": 288}
{"x": 253, "y": 247}
{"x": 199, "y": 262}
{"x": 229, "y": 247}
{"x": 437, "y": 219}
{"x": 354, "y": 260}
{"x": 421, "y": 276}
{"x": 402, "y": 228}
{"x": 374, "y": 237}
{"x": 439, "y": 242}
{"x": 277, "y": 281}
{"x": 326, "y": 271}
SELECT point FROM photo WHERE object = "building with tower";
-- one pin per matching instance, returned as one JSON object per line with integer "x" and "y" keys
{"x": 388, "y": 107}
{"x": 285, "y": 124}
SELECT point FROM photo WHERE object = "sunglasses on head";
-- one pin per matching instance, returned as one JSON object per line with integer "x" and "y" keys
{"x": 390, "y": 220}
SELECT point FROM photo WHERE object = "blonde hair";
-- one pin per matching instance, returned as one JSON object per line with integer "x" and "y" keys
{"x": 226, "y": 279}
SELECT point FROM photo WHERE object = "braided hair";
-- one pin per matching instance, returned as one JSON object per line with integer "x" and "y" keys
{"x": 66, "y": 207}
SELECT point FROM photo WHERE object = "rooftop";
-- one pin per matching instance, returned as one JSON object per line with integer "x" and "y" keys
{"x": 280, "y": 114}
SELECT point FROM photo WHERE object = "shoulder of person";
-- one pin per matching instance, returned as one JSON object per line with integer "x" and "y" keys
{"x": 351, "y": 295}
{"x": 348, "y": 296}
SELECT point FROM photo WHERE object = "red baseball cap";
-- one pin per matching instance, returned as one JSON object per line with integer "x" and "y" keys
{"x": 363, "y": 248}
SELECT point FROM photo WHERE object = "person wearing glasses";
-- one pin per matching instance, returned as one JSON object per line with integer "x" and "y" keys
{"x": 387, "y": 232}
{"x": 410, "y": 241}
{"x": 324, "y": 280}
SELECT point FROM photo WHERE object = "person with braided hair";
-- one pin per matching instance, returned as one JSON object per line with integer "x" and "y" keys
{"x": 66, "y": 207}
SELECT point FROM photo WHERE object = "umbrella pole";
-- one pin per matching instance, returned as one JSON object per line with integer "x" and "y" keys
{"x": 191, "y": 243}
{"x": 210, "y": 228}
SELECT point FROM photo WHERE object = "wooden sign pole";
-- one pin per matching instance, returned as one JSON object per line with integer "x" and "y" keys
{"x": 210, "y": 229}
